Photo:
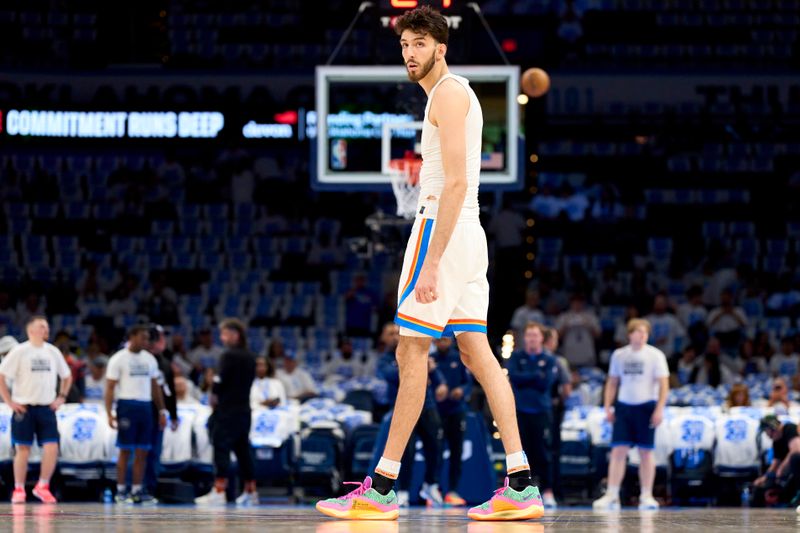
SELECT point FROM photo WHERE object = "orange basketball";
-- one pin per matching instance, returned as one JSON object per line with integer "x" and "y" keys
{"x": 535, "y": 82}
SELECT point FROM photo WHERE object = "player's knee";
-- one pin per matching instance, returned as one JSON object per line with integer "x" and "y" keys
{"x": 23, "y": 450}
{"x": 619, "y": 452}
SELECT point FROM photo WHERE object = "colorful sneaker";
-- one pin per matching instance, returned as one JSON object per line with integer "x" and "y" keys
{"x": 19, "y": 496}
{"x": 144, "y": 499}
{"x": 43, "y": 493}
{"x": 364, "y": 503}
{"x": 509, "y": 504}
{"x": 431, "y": 494}
{"x": 453, "y": 499}
{"x": 123, "y": 497}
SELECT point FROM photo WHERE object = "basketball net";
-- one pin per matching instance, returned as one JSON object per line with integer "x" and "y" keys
{"x": 404, "y": 174}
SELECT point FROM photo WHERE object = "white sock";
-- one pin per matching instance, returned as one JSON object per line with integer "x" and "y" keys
{"x": 43, "y": 481}
{"x": 120, "y": 489}
{"x": 136, "y": 489}
{"x": 516, "y": 462}
{"x": 646, "y": 495}
{"x": 613, "y": 490}
{"x": 388, "y": 468}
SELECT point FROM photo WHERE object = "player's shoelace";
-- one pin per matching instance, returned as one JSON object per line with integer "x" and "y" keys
{"x": 355, "y": 493}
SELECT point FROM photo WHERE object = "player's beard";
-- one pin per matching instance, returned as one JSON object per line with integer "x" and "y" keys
{"x": 422, "y": 69}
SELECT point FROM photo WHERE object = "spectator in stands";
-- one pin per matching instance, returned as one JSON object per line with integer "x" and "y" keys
{"x": 123, "y": 300}
{"x": 76, "y": 366}
{"x": 136, "y": 371}
{"x": 206, "y": 354}
{"x": 360, "y": 306}
{"x": 739, "y": 396}
{"x": 267, "y": 390}
{"x": 345, "y": 363}
{"x": 32, "y": 305}
{"x": 206, "y": 386}
{"x": 230, "y": 428}
{"x": 621, "y": 331}
{"x": 693, "y": 314}
{"x": 95, "y": 380}
{"x": 709, "y": 370}
{"x": 157, "y": 346}
{"x": 453, "y": 411}
{"x": 763, "y": 346}
{"x": 640, "y": 373}
{"x": 779, "y": 396}
{"x": 578, "y": 328}
{"x": 525, "y": 314}
{"x": 748, "y": 362}
{"x": 785, "y": 362}
{"x": 428, "y": 429}
{"x": 533, "y": 372}
{"x": 783, "y": 474}
{"x": 276, "y": 353}
{"x": 181, "y": 364}
{"x": 183, "y": 392}
{"x": 727, "y": 322}
{"x": 34, "y": 366}
{"x": 667, "y": 330}
{"x": 161, "y": 303}
{"x": 296, "y": 380}
{"x": 561, "y": 390}
{"x": 8, "y": 314}
{"x": 7, "y": 343}
{"x": 686, "y": 365}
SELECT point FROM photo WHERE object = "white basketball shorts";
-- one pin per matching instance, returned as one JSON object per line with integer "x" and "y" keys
{"x": 463, "y": 290}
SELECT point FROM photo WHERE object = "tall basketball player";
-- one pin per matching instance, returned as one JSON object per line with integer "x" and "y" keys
{"x": 443, "y": 288}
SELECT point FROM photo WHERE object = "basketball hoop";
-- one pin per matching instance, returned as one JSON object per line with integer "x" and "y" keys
{"x": 404, "y": 174}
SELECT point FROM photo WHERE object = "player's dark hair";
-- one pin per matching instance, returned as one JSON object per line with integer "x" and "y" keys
{"x": 424, "y": 20}
{"x": 138, "y": 328}
{"x": 238, "y": 326}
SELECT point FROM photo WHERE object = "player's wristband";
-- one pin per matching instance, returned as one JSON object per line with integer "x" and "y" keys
{"x": 62, "y": 396}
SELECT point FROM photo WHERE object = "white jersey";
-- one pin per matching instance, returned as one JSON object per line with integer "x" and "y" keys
{"x": 35, "y": 371}
{"x": 431, "y": 175}
{"x": 736, "y": 442}
{"x": 133, "y": 373}
{"x": 83, "y": 435}
{"x": 638, "y": 373}
{"x": 177, "y": 444}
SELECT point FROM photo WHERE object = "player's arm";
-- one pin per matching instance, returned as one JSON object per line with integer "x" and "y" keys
{"x": 610, "y": 394}
{"x": 109, "y": 399}
{"x": 663, "y": 392}
{"x": 449, "y": 107}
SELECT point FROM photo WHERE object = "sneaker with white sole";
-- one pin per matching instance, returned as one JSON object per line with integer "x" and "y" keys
{"x": 549, "y": 501}
{"x": 19, "y": 496}
{"x": 248, "y": 499}
{"x": 212, "y": 499}
{"x": 648, "y": 503}
{"x": 606, "y": 503}
{"x": 431, "y": 494}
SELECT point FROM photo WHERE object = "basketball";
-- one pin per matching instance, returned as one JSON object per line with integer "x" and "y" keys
{"x": 535, "y": 82}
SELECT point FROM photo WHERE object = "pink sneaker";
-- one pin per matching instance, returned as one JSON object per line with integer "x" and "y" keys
{"x": 509, "y": 504}
{"x": 364, "y": 503}
{"x": 18, "y": 496}
{"x": 43, "y": 493}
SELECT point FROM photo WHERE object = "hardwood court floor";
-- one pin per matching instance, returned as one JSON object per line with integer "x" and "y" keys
{"x": 88, "y": 518}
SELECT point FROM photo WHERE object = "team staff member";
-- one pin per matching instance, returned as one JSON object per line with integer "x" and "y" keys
{"x": 135, "y": 370}
{"x": 533, "y": 372}
{"x": 34, "y": 366}
{"x": 453, "y": 411}
{"x": 166, "y": 380}
{"x": 640, "y": 373}
{"x": 230, "y": 428}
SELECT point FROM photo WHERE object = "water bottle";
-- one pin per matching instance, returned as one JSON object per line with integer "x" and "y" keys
{"x": 746, "y": 496}
{"x": 107, "y": 497}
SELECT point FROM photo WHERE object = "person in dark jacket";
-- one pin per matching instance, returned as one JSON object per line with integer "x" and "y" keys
{"x": 453, "y": 411}
{"x": 533, "y": 372}
{"x": 230, "y": 427}
{"x": 428, "y": 429}
{"x": 166, "y": 380}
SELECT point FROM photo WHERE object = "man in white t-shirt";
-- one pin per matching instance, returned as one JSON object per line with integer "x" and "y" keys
{"x": 136, "y": 372}
{"x": 35, "y": 366}
{"x": 666, "y": 329}
{"x": 95, "y": 380}
{"x": 578, "y": 328}
{"x": 296, "y": 380}
{"x": 640, "y": 373}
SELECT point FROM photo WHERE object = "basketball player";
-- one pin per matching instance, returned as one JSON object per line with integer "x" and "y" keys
{"x": 640, "y": 373}
{"x": 136, "y": 371}
{"x": 34, "y": 366}
{"x": 443, "y": 287}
